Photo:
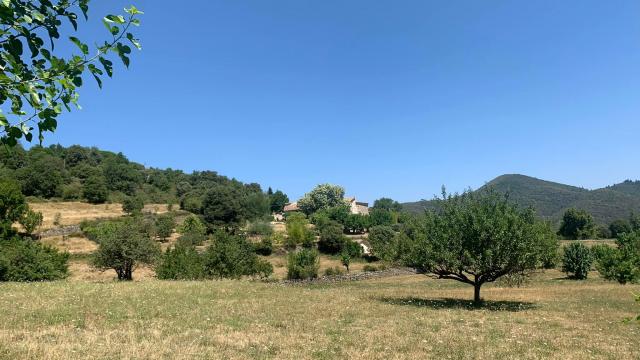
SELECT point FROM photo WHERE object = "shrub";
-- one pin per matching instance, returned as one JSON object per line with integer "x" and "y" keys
{"x": 619, "y": 227}
{"x": 193, "y": 225}
{"x": 333, "y": 271}
{"x": 191, "y": 239}
{"x": 297, "y": 231}
{"x": 577, "y": 261}
{"x": 352, "y": 248}
{"x": 303, "y": 264}
{"x": 57, "y": 219}
{"x": 622, "y": 263}
{"x": 577, "y": 224}
{"x": 230, "y": 256}
{"x": 263, "y": 269}
{"x": 332, "y": 239}
{"x": 132, "y": 205}
{"x": 260, "y": 228}
{"x": 370, "y": 268}
{"x": 182, "y": 262}
{"x": 26, "y": 260}
{"x": 12, "y": 206}
{"x": 164, "y": 226}
{"x": 123, "y": 246}
{"x": 31, "y": 221}
{"x": 345, "y": 259}
{"x": 264, "y": 247}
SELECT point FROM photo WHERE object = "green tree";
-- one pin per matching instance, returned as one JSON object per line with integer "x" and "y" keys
{"x": 619, "y": 227}
{"x": 36, "y": 83}
{"x": 164, "y": 226}
{"x": 31, "y": 221}
{"x": 332, "y": 239}
{"x": 383, "y": 242}
{"x": 387, "y": 204}
{"x": 321, "y": 197}
{"x": 124, "y": 246}
{"x": 576, "y": 261}
{"x": 132, "y": 205}
{"x": 622, "y": 263}
{"x": 94, "y": 189}
{"x": 26, "y": 260}
{"x": 380, "y": 217}
{"x": 223, "y": 207}
{"x": 278, "y": 201}
{"x": 479, "y": 237}
{"x": 12, "y": 206}
{"x": 193, "y": 225}
{"x": 42, "y": 176}
{"x": 577, "y": 224}
{"x": 345, "y": 259}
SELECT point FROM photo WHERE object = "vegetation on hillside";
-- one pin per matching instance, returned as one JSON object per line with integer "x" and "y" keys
{"x": 551, "y": 199}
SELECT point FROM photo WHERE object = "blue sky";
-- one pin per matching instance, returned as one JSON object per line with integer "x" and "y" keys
{"x": 387, "y": 98}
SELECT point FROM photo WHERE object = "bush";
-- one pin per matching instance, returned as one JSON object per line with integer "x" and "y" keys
{"x": 352, "y": 248}
{"x": 230, "y": 256}
{"x": 123, "y": 245}
{"x": 298, "y": 232}
{"x": 26, "y": 260}
{"x": 182, "y": 262}
{"x": 263, "y": 269}
{"x": 191, "y": 239}
{"x": 577, "y": 224}
{"x": 333, "y": 271}
{"x": 31, "y": 221}
{"x": 621, "y": 264}
{"x": 619, "y": 227}
{"x": 264, "y": 247}
{"x": 370, "y": 268}
{"x": 577, "y": 261}
{"x": 260, "y": 228}
{"x": 12, "y": 206}
{"x": 332, "y": 239}
{"x": 303, "y": 264}
{"x": 193, "y": 225}
{"x": 132, "y": 205}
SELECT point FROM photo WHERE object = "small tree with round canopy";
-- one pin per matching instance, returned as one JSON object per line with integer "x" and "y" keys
{"x": 479, "y": 237}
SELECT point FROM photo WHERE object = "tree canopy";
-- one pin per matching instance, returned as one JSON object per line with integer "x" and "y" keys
{"x": 321, "y": 197}
{"x": 479, "y": 237}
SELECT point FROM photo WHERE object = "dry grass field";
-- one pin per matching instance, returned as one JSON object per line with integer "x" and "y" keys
{"x": 72, "y": 213}
{"x": 407, "y": 317}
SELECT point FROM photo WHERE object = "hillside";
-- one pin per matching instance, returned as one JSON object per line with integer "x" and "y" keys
{"x": 551, "y": 199}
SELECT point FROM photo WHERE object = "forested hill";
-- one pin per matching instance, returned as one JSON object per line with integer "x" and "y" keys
{"x": 97, "y": 176}
{"x": 551, "y": 199}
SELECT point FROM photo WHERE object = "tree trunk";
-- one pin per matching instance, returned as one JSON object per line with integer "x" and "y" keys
{"x": 476, "y": 293}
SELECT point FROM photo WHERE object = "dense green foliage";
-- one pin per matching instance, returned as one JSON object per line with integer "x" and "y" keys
{"x": 303, "y": 264}
{"x": 26, "y": 260}
{"x": 479, "y": 237}
{"x": 332, "y": 239}
{"x": 36, "y": 83}
{"x": 321, "y": 197}
{"x": 577, "y": 224}
{"x": 298, "y": 232}
{"x": 551, "y": 199}
{"x": 232, "y": 256}
{"x": 31, "y": 221}
{"x": 12, "y": 206}
{"x": 619, "y": 227}
{"x": 80, "y": 173}
{"x": 133, "y": 205}
{"x": 383, "y": 242}
{"x": 576, "y": 261}
{"x": 622, "y": 263}
{"x": 182, "y": 262}
{"x": 165, "y": 224}
{"x": 123, "y": 245}
{"x": 277, "y": 200}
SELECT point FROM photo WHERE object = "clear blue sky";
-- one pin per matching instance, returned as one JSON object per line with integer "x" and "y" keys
{"x": 387, "y": 98}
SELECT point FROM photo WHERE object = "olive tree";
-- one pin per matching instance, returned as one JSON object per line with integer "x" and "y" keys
{"x": 479, "y": 237}
{"x": 38, "y": 81}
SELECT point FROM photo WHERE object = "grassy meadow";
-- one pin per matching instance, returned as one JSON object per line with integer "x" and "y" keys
{"x": 397, "y": 317}
{"x": 90, "y": 315}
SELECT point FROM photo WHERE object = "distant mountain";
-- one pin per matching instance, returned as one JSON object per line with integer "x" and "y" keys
{"x": 551, "y": 199}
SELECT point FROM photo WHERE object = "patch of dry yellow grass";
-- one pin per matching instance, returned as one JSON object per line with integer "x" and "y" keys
{"x": 408, "y": 317}
{"x": 73, "y": 213}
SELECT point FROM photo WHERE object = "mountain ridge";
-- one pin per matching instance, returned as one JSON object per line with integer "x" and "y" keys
{"x": 552, "y": 199}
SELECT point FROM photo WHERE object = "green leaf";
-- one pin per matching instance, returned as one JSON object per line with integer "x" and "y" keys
{"x": 3, "y": 120}
{"x": 134, "y": 41}
{"x": 38, "y": 15}
{"x": 6, "y": 3}
{"x": 83, "y": 47}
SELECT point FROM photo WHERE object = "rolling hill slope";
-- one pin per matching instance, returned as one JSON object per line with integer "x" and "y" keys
{"x": 551, "y": 199}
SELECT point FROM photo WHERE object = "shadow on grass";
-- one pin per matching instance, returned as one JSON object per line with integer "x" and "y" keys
{"x": 449, "y": 303}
